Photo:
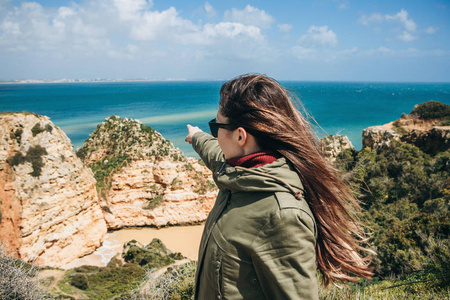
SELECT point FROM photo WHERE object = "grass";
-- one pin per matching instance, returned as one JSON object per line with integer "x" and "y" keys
{"x": 400, "y": 288}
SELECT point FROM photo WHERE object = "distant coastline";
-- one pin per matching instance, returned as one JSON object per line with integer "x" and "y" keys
{"x": 112, "y": 80}
{"x": 83, "y": 80}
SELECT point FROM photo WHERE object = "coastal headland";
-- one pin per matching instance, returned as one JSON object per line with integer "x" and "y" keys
{"x": 57, "y": 205}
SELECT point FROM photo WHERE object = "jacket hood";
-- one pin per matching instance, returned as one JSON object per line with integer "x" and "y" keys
{"x": 278, "y": 176}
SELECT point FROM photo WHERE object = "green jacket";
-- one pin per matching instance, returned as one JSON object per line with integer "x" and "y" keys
{"x": 259, "y": 240}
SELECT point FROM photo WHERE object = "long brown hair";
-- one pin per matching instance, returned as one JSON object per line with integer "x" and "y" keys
{"x": 264, "y": 108}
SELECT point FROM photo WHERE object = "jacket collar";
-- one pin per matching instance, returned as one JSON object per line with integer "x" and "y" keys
{"x": 271, "y": 177}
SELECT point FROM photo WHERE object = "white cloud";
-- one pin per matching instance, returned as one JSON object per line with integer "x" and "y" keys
{"x": 162, "y": 26}
{"x": 232, "y": 30}
{"x": 373, "y": 18}
{"x": 304, "y": 53}
{"x": 342, "y": 4}
{"x": 210, "y": 11}
{"x": 127, "y": 30}
{"x": 130, "y": 9}
{"x": 319, "y": 37}
{"x": 406, "y": 36}
{"x": 316, "y": 45}
{"x": 322, "y": 54}
{"x": 431, "y": 30}
{"x": 250, "y": 16}
{"x": 410, "y": 27}
{"x": 384, "y": 50}
{"x": 402, "y": 17}
{"x": 285, "y": 27}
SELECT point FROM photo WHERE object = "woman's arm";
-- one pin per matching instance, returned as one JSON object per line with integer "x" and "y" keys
{"x": 207, "y": 148}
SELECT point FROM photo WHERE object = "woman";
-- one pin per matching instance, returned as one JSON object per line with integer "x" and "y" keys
{"x": 281, "y": 210}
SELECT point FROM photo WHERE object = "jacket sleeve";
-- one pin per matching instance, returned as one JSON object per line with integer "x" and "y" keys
{"x": 208, "y": 149}
{"x": 284, "y": 256}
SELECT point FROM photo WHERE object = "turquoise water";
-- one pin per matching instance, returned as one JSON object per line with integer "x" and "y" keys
{"x": 338, "y": 107}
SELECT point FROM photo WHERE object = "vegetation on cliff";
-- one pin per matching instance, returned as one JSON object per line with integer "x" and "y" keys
{"x": 33, "y": 156}
{"x": 38, "y": 129}
{"x": 432, "y": 110}
{"x": 122, "y": 278}
{"x": 176, "y": 283}
{"x": 126, "y": 137}
{"x": 116, "y": 142}
{"x": 34, "y": 153}
{"x": 405, "y": 195}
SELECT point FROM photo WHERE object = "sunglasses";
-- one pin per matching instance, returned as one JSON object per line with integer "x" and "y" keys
{"x": 214, "y": 127}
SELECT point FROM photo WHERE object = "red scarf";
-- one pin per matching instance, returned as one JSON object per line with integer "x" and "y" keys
{"x": 254, "y": 160}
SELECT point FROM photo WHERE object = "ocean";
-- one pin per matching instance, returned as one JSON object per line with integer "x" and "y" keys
{"x": 336, "y": 107}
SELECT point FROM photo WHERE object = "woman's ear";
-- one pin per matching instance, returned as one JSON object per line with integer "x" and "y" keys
{"x": 242, "y": 136}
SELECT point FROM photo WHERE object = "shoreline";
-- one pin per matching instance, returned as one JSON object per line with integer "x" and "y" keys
{"x": 178, "y": 238}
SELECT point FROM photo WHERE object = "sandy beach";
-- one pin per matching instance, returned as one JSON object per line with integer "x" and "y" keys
{"x": 184, "y": 239}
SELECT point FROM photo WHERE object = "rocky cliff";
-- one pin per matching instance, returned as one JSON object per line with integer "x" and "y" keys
{"x": 427, "y": 127}
{"x": 332, "y": 145}
{"x": 143, "y": 180}
{"x": 49, "y": 207}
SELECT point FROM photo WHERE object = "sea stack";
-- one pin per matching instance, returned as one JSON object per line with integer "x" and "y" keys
{"x": 143, "y": 180}
{"x": 49, "y": 211}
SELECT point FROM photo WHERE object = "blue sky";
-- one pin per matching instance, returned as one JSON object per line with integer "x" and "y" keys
{"x": 329, "y": 40}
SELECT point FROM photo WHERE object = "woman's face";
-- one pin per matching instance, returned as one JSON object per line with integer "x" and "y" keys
{"x": 228, "y": 141}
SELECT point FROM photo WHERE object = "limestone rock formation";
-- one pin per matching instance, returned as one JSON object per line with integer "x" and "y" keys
{"x": 378, "y": 137}
{"x": 427, "y": 127}
{"x": 332, "y": 145}
{"x": 49, "y": 209}
{"x": 143, "y": 180}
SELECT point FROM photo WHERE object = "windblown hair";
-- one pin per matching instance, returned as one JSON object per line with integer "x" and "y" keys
{"x": 264, "y": 108}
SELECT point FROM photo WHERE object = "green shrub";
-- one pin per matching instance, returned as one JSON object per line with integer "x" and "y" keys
{"x": 188, "y": 167}
{"x": 176, "y": 256}
{"x": 175, "y": 283}
{"x": 37, "y": 129}
{"x": 157, "y": 200}
{"x": 398, "y": 126}
{"x": 48, "y": 128}
{"x": 17, "y": 135}
{"x": 405, "y": 193}
{"x": 153, "y": 255}
{"x": 79, "y": 281}
{"x": 113, "y": 282}
{"x": 432, "y": 110}
{"x": 16, "y": 159}
{"x": 34, "y": 156}
{"x": 346, "y": 159}
{"x": 105, "y": 168}
{"x": 115, "y": 262}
